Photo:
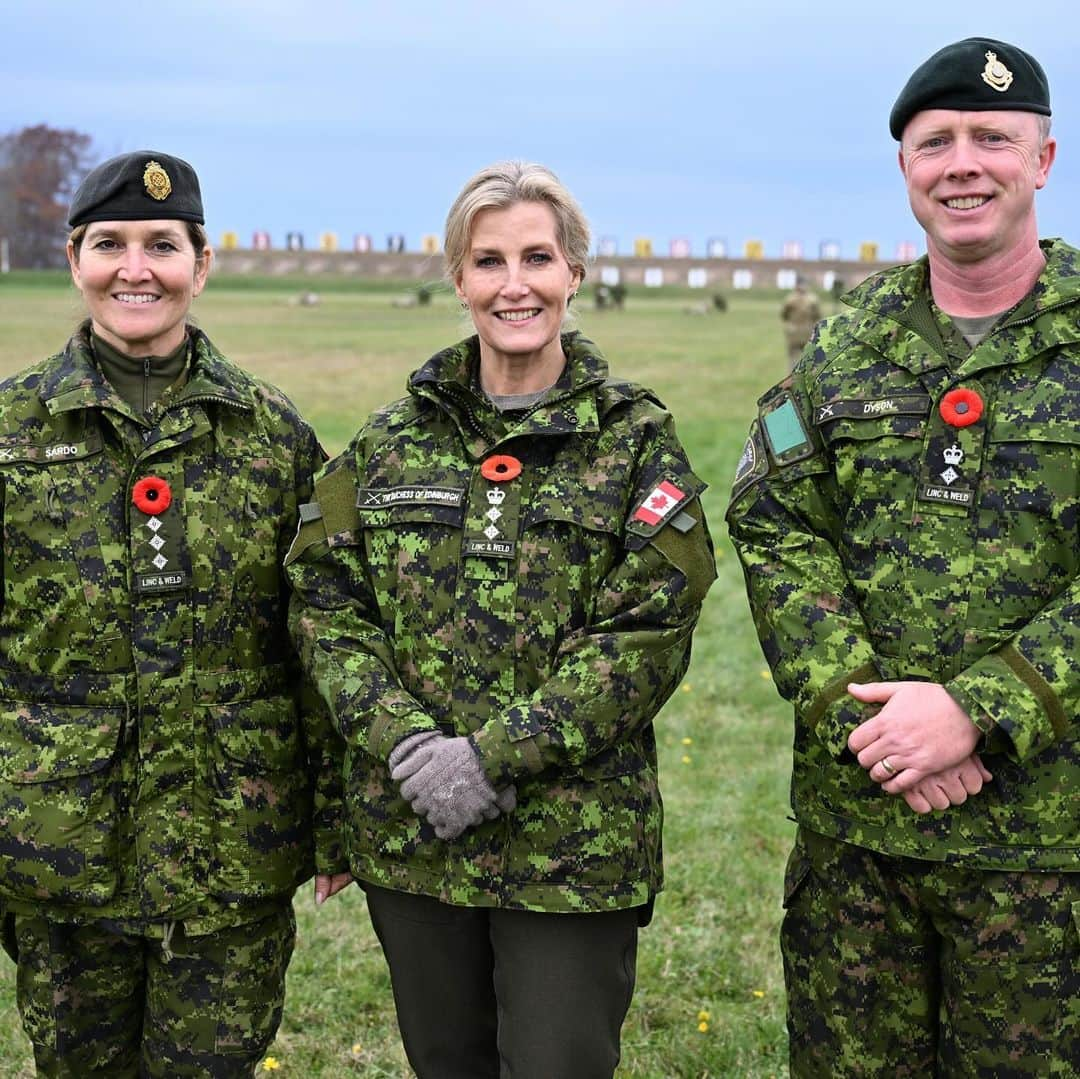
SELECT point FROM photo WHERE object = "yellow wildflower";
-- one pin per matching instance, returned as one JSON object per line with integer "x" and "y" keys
{"x": 703, "y": 1016}
{"x": 271, "y": 1064}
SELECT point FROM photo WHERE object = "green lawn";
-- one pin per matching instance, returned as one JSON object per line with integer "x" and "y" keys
{"x": 724, "y": 738}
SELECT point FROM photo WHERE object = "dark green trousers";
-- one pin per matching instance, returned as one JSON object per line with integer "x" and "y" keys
{"x": 903, "y": 968}
{"x": 100, "y": 1003}
{"x": 484, "y": 993}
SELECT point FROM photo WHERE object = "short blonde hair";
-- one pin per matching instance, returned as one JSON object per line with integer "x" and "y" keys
{"x": 504, "y": 184}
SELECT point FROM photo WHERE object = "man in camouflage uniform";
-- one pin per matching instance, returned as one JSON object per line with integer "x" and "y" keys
{"x": 544, "y": 619}
{"x": 906, "y": 512}
{"x": 799, "y": 314}
{"x": 163, "y": 788}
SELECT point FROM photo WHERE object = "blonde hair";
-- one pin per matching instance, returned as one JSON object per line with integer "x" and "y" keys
{"x": 504, "y": 184}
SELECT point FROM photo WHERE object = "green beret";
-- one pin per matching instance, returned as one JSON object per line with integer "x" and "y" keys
{"x": 144, "y": 186}
{"x": 977, "y": 74}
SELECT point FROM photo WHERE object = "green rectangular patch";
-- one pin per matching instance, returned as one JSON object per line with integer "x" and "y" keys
{"x": 787, "y": 437}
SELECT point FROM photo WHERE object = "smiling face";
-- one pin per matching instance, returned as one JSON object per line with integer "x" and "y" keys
{"x": 971, "y": 180}
{"x": 517, "y": 282}
{"x": 138, "y": 279}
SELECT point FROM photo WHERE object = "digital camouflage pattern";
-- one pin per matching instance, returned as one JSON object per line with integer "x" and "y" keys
{"x": 872, "y": 992}
{"x": 536, "y": 615}
{"x": 155, "y": 759}
{"x": 213, "y": 1003}
{"x": 879, "y": 542}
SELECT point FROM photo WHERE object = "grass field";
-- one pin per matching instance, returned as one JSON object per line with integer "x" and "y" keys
{"x": 709, "y": 1001}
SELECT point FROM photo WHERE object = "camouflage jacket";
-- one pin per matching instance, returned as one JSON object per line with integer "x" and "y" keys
{"x": 884, "y": 535}
{"x": 548, "y": 616}
{"x": 155, "y": 759}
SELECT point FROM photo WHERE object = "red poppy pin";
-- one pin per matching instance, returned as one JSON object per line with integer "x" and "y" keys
{"x": 961, "y": 408}
{"x": 151, "y": 495}
{"x": 501, "y": 468}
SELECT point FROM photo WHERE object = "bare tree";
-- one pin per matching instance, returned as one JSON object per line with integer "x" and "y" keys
{"x": 39, "y": 169}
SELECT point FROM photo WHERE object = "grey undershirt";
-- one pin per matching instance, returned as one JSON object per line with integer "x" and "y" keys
{"x": 517, "y": 402}
{"x": 973, "y": 330}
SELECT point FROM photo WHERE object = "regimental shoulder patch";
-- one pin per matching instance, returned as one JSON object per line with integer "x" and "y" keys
{"x": 785, "y": 433}
{"x": 753, "y": 464}
{"x": 659, "y": 503}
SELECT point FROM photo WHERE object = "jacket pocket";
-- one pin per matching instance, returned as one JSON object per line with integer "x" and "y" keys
{"x": 52, "y": 558}
{"x": 598, "y": 828}
{"x": 59, "y": 773}
{"x": 381, "y": 828}
{"x": 580, "y": 532}
{"x": 261, "y": 800}
{"x": 1027, "y": 804}
{"x": 412, "y": 554}
{"x": 1032, "y": 470}
{"x": 875, "y": 459}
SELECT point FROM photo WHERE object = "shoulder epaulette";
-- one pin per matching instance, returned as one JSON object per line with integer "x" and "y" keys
{"x": 399, "y": 413}
{"x": 615, "y": 392}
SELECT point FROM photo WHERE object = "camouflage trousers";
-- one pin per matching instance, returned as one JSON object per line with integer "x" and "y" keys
{"x": 898, "y": 967}
{"x": 98, "y": 1002}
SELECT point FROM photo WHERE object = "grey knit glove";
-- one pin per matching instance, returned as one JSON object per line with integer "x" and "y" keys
{"x": 443, "y": 781}
{"x": 407, "y": 745}
{"x": 404, "y": 763}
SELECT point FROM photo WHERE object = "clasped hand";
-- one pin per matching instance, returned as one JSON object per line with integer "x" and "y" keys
{"x": 442, "y": 780}
{"x": 920, "y": 745}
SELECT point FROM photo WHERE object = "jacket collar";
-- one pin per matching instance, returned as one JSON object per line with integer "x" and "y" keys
{"x": 75, "y": 381}
{"x": 450, "y": 380}
{"x": 902, "y": 325}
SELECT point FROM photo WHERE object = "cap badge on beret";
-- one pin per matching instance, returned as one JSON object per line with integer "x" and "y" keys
{"x": 996, "y": 75}
{"x": 158, "y": 185}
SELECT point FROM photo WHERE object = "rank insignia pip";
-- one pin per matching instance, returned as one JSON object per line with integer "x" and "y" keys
{"x": 953, "y": 457}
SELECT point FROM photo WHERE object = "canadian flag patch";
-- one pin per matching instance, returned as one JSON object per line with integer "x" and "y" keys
{"x": 659, "y": 503}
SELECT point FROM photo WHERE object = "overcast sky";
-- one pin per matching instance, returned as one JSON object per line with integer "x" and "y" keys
{"x": 724, "y": 119}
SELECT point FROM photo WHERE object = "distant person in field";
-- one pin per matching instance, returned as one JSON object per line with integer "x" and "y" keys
{"x": 164, "y": 788}
{"x": 496, "y": 589}
{"x": 799, "y": 314}
{"x": 907, "y": 513}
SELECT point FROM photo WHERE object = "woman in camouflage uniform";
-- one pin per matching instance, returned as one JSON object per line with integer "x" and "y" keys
{"x": 162, "y": 789}
{"x": 495, "y": 593}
